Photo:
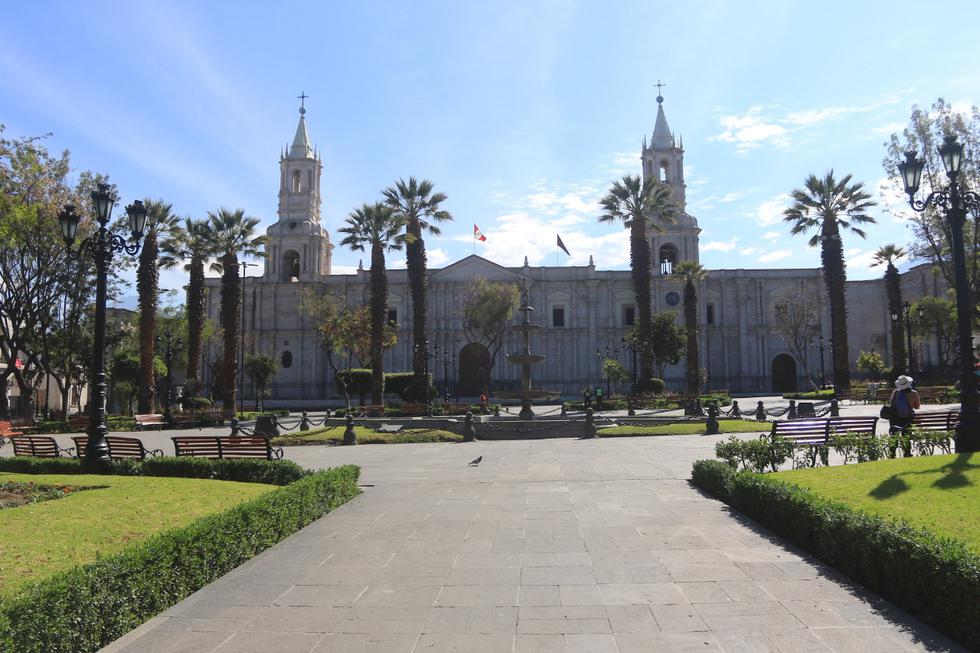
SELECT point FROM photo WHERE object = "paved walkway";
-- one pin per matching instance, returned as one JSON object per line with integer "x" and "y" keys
{"x": 547, "y": 546}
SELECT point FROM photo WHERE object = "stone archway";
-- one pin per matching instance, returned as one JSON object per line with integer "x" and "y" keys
{"x": 474, "y": 361}
{"x": 783, "y": 374}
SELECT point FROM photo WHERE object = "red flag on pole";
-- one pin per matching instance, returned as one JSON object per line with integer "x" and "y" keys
{"x": 561, "y": 246}
{"x": 478, "y": 234}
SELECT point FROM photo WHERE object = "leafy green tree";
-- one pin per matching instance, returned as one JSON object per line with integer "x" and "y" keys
{"x": 639, "y": 204}
{"x": 160, "y": 240}
{"x": 232, "y": 234}
{"x": 262, "y": 369}
{"x": 668, "y": 340}
{"x": 692, "y": 273}
{"x": 796, "y": 321}
{"x": 486, "y": 310}
{"x": 376, "y": 226}
{"x": 871, "y": 363}
{"x": 415, "y": 203}
{"x": 887, "y": 255}
{"x": 930, "y": 233}
{"x": 614, "y": 372}
{"x": 827, "y": 206}
{"x": 935, "y": 317}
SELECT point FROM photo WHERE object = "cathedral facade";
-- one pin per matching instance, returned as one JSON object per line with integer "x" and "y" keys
{"x": 585, "y": 312}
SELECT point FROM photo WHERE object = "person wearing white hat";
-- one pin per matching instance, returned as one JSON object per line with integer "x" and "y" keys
{"x": 904, "y": 402}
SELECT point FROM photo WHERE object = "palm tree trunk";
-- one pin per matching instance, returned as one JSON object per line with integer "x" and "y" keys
{"x": 379, "y": 306}
{"x": 415, "y": 260}
{"x": 231, "y": 308}
{"x": 195, "y": 325}
{"x": 835, "y": 276}
{"x": 691, "y": 322}
{"x": 893, "y": 288}
{"x": 640, "y": 268}
{"x": 147, "y": 279}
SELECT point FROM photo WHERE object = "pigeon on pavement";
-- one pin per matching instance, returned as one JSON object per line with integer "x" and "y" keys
{"x": 474, "y": 463}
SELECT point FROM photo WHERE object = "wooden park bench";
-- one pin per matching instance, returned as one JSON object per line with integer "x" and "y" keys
{"x": 8, "y": 431}
{"x": 225, "y": 447}
{"x": 78, "y": 423}
{"x": 933, "y": 394}
{"x": 944, "y": 420}
{"x": 119, "y": 447}
{"x": 150, "y": 419}
{"x": 38, "y": 446}
{"x": 818, "y": 431}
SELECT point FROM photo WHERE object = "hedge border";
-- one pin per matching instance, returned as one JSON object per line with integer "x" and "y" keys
{"x": 935, "y": 578}
{"x": 89, "y": 606}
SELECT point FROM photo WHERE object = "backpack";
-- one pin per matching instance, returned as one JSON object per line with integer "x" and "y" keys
{"x": 902, "y": 406}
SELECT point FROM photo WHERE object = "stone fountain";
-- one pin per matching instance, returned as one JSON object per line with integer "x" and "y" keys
{"x": 526, "y": 359}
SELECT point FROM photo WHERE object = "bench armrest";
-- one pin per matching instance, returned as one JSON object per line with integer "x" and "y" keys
{"x": 154, "y": 453}
{"x": 276, "y": 453}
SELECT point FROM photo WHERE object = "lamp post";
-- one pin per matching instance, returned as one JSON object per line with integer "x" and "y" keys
{"x": 241, "y": 364}
{"x": 455, "y": 384}
{"x": 101, "y": 246}
{"x": 626, "y": 344}
{"x": 955, "y": 204}
{"x": 435, "y": 360}
{"x": 905, "y": 317}
{"x": 171, "y": 346}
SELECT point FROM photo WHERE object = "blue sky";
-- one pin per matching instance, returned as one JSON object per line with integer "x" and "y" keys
{"x": 522, "y": 112}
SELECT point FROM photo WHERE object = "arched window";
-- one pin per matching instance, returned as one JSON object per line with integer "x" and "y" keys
{"x": 290, "y": 266}
{"x": 287, "y": 358}
{"x": 664, "y": 177}
{"x": 297, "y": 181}
{"x": 668, "y": 258}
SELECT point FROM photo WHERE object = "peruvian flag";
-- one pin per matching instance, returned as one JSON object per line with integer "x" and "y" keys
{"x": 477, "y": 234}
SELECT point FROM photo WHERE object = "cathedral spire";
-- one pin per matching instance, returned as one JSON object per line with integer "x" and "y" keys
{"x": 662, "y": 138}
{"x": 300, "y": 149}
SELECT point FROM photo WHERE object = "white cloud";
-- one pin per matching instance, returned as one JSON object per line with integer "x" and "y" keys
{"x": 777, "y": 255}
{"x": 888, "y": 129}
{"x": 436, "y": 257}
{"x": 752, "y": 250}
{"x": 770, "y": 212}
{"x": 750, "y": 131}
{"x": 720, "y": 245}
{"x": 894, "y": 201}
{"x": 771, "y": 235}
{"x": 858, "y": 259}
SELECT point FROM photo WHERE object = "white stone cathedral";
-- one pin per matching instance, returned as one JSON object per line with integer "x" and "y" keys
{"x": 583, "y": 310}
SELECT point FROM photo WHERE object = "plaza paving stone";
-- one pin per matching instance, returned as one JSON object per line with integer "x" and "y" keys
{"x": 548, "y": 545}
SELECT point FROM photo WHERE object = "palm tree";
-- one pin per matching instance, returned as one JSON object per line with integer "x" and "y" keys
{"x": 638, "y": 204}
{"x": 379, "y": 227}
{"x": 692, "y": 273}
{"x": 415, "y": 203}
{"x": 197, "y": 246}
{"x": 827, "y": 206}
{"x": 887, "y": 255}
{"x": 162, "y": 233}
{"x": 232, "y": 234}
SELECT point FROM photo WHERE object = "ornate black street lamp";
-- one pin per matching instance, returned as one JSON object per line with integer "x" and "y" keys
{"x": 101, "y": 246}
{"x": 171, "y": 346}
{"x": 955, "y": 204}
{"x": 241, "y": 354}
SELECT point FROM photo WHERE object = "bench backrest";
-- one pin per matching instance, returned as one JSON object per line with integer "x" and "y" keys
{"x": 35, "y": 445}
{"x": 6, "y": 428}
{"x": 149, "y": 418}
{"x": 936, "y": 421}
{"x": 820, "y": 430}
{"x": 119, "y": 446}
{"x": 222, "y": 447}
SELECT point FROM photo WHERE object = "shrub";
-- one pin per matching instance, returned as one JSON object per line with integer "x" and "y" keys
{"x": 756, "y": 454}
{"x": 197, "y": 404}
{"x": 358, "y": 382}
{"x": 409, "y": 388}
{"x": 245, "y": 470}
{"x": 935, "y": 578}
{"x": 652, "y": 385}
{"x": 87, "y": 607}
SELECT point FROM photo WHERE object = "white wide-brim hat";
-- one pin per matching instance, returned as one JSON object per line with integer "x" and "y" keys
{"x": 903, "y": 382}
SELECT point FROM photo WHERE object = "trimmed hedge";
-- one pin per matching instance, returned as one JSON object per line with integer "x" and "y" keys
{"x": 246, "y": 470}
{"x": 87, "y": 607}
{"x": 935, "y": 578}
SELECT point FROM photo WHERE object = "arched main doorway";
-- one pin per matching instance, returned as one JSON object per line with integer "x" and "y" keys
{"x": 783, "y": 374}
{"x": 474, "y": 362}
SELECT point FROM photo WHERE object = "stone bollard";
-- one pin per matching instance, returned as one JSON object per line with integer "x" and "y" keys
{"x": 350, "y": 437}
{"x": 711, "y": 426}
{"x": 791, "y": 413}
{"x": 428, "y": 409}
{"x": 589, "y": 429}
{"x": 736, "y": 411}
{"x": 469, "y": 433}
{"x": 496, "y": 411}
{"x": 234, "y": 426}
{"x": 564, "y": 410}
{"x": 630, "y": 407}
{"x": 304, "y": 422}
{"x": 834, "y": 408}
{"x": 267, "y": 426}
{"x": 760, "y": 412}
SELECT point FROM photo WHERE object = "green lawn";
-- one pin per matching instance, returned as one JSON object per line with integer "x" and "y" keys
{"x": 686, "y": 428}
{"x": 939, "y": 493}
{"x": 365, "y": 436}
{"x": 40, "y": 539}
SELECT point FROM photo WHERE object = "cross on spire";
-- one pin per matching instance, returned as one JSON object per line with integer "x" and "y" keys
{"x": 302, "y": 101}
{"x": 659, "y": 85}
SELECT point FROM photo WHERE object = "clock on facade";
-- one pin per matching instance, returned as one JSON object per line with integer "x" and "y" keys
{"x": 673, "y": 299}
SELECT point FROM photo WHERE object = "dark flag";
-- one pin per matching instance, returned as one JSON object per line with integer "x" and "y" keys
{"x": 562, "y": 247}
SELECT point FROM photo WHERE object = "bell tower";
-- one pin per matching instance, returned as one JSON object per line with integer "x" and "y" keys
{"x": 663, "y": 160}
{"x": 298, "y": 247}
